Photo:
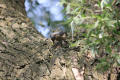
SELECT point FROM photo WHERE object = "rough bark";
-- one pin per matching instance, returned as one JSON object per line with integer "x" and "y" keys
{"x": 24, "y": 53}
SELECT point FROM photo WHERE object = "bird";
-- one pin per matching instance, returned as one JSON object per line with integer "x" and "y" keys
{"x": 58, "y": 36}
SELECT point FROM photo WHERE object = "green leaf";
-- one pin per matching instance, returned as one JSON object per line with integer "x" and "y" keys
{"x": 108, "y": 49}
{"x": 78, "y": 20}
{"x": 68, "y": 9}
{"x": 72, "y": 28}
{"x": 75, "y": 44}
{"x": 105, "y": 3}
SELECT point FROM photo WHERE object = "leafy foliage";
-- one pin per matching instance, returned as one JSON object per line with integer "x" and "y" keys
{"x": 101, "y": 21}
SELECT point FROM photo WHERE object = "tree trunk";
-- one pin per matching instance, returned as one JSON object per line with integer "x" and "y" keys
{"x": 24, "y": 53}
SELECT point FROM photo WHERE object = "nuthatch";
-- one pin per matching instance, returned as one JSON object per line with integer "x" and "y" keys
{"x": 58, "y": 36}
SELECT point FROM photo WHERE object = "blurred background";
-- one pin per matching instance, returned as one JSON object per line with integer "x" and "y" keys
{"x": 46, "y": 15}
